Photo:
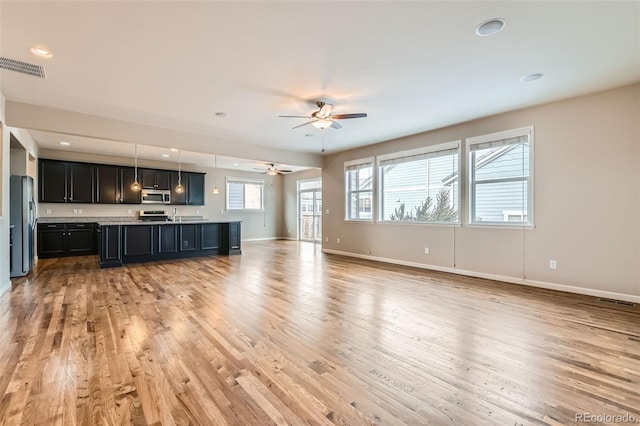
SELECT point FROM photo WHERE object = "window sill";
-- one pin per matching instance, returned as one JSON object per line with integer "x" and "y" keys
{"x": 358, "y": 220}
{"x": 436, "y": 224}
{"x": 499, "y": 226}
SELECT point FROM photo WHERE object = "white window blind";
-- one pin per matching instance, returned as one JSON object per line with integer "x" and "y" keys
{"x": 359, "y": 189}
{"x": 244, "y": 194}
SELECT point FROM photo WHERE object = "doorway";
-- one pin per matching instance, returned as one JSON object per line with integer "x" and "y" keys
{"x": 310, "y": 210}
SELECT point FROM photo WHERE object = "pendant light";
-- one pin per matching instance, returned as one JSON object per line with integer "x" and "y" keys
{"x": 135, "y": 186}
{"x": 215, "y": 174}
{"x": 179, "y": 188}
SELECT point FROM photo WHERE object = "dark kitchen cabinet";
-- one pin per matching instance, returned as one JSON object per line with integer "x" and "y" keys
{"x": 110, "y": 237}
{"x": 154, "y": 179}
{"x": 189, "y": 237}
{"x": 231, "y": 238}
{"x": 167, "y": 239}
{"x": 193, "y": 184}
{"x": 51, "y": 240}
{"x": 52, "y": 181}
{"x": 66, "y": 182}
{"x": 210, "y": 236}
{"x": 128, "y": 195}
{"x": 137, "y": 240}
{"x": 195, "y": 189}
{"x": 179, "y": 198}
{"x": 113, "y": 185}
{"x": 66, "y": 239}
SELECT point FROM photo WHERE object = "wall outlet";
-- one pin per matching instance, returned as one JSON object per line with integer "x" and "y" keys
{"x": 197, "y": 211}
{"x": 75, "y": 211}
{"x": 326, "y": 240}
{"x": 48, "y": 211}
{"x": 327, "y": 211}
{"x": 553, "y": 264}
{"x": 79, "y": 211}
{"x": 426, "y": 250}
{"x": 338, "y": 240}
{"x": 129, "y": 211}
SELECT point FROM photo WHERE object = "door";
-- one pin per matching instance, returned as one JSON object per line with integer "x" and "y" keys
{"x": 310, "y": 210}
{"x": 195, "y": 189}
{"x": 107, "y": 185}
{"x": 128, "y": 195}
{"x": 53, "y": 182}
{"x": 80, "y": 180}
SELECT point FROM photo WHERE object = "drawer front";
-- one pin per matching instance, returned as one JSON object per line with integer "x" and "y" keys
{"x": 45, "y": 226}
{"x": 81, "y": 225}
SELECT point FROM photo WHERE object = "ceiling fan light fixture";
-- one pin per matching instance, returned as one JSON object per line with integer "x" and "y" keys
{"x": 322, "y": 124}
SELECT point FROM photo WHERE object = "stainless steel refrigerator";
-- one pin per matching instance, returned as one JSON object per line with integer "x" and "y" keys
{"x": 22, "y": 217}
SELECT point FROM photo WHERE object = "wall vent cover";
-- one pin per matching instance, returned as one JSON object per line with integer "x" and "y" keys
{"x": 21, "y": 67}
{"x": 617, "y": 302}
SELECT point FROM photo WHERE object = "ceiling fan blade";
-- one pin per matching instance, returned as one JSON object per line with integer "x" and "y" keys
{"x": 336, "y": 125}
{"x": 285, "y": 171}
{"x": 325, "y": 111}
{"x": 294, "y": 116}
{"x": 303, "y": 124}
{"x": 345, "y": 116}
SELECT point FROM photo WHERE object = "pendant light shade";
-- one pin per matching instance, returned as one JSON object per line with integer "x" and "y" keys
{"x": 135, "y": 186}
{"x": 179, "y": 189}
{"x": 215, "y": 173}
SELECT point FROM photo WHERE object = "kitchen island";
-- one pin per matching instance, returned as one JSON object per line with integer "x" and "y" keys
{"x": 138, "y": 241}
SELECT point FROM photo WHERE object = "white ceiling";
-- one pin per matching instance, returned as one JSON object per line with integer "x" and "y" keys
{"x": 412, "y": 66}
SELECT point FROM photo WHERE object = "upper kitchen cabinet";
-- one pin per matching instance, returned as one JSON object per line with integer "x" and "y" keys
{"x": 66, "y": 182}
{"x": 195, "y": 189}
{"x": 193, "y": 184}
{"x": 155, "y": 179}
{"x": 113, "y": 185}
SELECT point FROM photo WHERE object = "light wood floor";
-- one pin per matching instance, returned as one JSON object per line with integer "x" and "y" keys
{"x": 284, "y": 334}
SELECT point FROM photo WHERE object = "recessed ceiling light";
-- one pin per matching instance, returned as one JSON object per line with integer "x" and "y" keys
{"x": 531, "y": 77}
{"x": 40, "y": 51}
{"x": 490, "y": 27}
{"x": 174, "y": 149}
{"x": 236, "y": 164}
{"x": 165, "y": 155}
{"x": 63, "y": 143}
{"x": 222, "y": 114}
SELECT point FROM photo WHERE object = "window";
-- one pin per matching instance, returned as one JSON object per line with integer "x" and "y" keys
{"x": 359, "y": 189}
{"x": 500, "y": 178}
{"x": 420, "y": 185}
{"x": 244, "y": 194}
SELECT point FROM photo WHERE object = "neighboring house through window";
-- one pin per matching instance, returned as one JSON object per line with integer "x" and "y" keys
{"x": 244, "y": 194}
{"x": 359, "y": 189}
{"x": 501, "y": 178}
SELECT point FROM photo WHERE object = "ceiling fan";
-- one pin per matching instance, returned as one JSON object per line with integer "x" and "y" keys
{"x": 324, "y": 118}
{"x": 272, "y": 170}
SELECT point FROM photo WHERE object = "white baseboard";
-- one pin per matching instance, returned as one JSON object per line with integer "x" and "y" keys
{"x": 507, "y": 279}
{"x": 5, "y": 287}
{"x": 262, "y": 239}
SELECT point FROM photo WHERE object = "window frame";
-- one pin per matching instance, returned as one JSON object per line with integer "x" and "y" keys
{"x": 445, "y": 146}
{"x": 348, "y": 192}
{"x": 471, "y": 183}
{"x": 244, "y": 181}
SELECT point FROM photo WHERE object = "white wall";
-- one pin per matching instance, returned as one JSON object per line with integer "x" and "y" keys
{"x": 587, "y": 203}
{"x": 255, "y": 225}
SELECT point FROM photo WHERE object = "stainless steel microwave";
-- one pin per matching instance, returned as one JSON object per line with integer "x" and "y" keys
{"x": 156, "y": 196}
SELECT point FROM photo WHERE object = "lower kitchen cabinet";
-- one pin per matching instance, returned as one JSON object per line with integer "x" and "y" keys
{"x": 189, "y": 238}
{"x": 137, "y": 240}
{"x": 110, "y": 243}
{"x": 66, "y": 239}
{"x": 129, "y": 243}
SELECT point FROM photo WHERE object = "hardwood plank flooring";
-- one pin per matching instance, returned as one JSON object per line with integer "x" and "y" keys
{"x": 284, "y": 334}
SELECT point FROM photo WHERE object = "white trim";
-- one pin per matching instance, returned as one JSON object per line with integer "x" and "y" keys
{"x": 422, "y": 150}
{"x": 503, "y": 278}
{"x": 358, "y": 162}
{"x": 6, "y": 287}
{"x": 504, "y": 134}
{"x": 262, "y": 239}
{"x": 471, "y": 168}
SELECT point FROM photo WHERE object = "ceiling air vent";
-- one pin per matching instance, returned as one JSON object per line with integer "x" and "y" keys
{"x": 22, "y": 67}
